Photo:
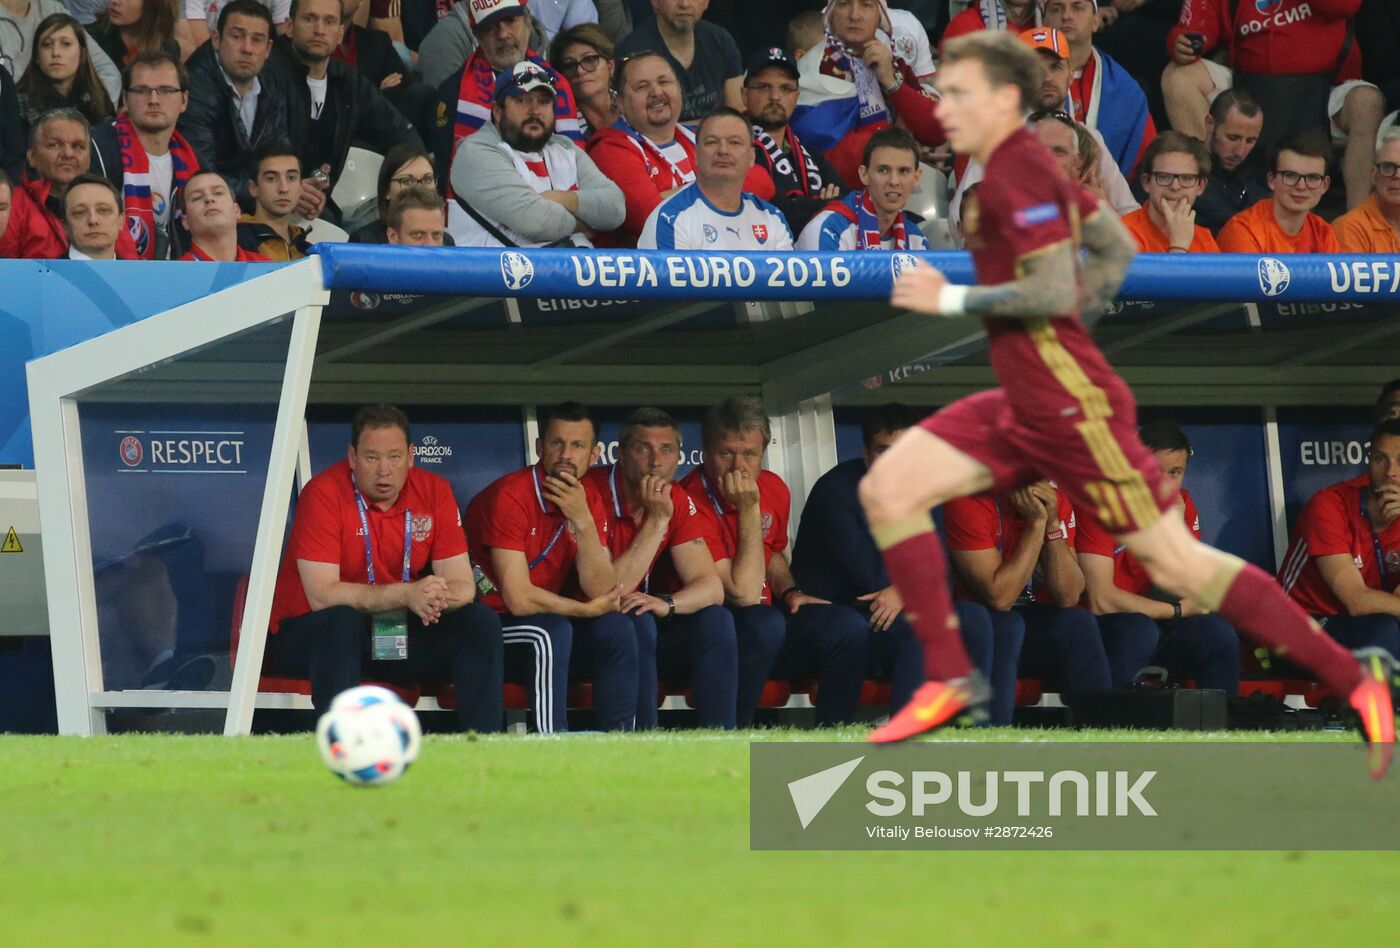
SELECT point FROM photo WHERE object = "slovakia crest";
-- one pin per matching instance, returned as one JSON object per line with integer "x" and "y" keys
{"x": 760, "y": 233}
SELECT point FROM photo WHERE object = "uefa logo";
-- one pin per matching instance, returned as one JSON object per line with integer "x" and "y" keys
{"x": 516, "y": 270}
{"x": 1273, "y": 276}
{"x": 900, "y": 262}
{"x": 131, "y": 451}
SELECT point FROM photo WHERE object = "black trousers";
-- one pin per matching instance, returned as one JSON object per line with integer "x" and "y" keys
{"x": 333, "y": 646}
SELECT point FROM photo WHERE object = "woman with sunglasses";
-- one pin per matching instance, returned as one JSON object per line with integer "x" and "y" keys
{"x": 61, "y": 75}
{"x": 404, "y": 166}
{"x": 584, "y": 55}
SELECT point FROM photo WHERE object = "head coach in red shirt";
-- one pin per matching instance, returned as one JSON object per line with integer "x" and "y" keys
{"x": 1343, "y": 566}
{"x": 670, "y": 587}
{"x": 783, "y": 633}
{"x": 540, "y": 536}
{"x": 376, "y": 581}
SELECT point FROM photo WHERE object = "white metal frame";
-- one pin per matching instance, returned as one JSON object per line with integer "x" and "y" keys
{"x": 56, "y": 383}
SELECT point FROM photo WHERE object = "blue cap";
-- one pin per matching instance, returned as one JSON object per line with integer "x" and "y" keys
{"x": 522, "y": 78}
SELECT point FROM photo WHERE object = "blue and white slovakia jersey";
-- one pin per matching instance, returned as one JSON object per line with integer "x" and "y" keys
{"x": 687, "y": 221}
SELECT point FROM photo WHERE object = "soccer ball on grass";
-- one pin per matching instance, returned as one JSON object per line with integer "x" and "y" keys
{"x": 368, "y": 737}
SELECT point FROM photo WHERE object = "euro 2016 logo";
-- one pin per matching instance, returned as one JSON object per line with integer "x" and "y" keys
{"x": 900, "y": 262}
{"x": 1273, "y": 276}
{"x": 516, "y": 270}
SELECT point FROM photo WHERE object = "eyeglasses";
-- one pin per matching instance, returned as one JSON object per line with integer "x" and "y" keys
{"x": 147, "y": 91}
{"x": 1311, "y": 181}
{"x": 586, "y": 63}
{"x": 1165, "y": 179}
{"x": 1387, "y": 169}
{"x": 407, "y": 180}
{"x": 1058, "y": 115}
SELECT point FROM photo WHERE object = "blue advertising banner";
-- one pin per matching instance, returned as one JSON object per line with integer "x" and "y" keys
{"x": 1320, "y": 448}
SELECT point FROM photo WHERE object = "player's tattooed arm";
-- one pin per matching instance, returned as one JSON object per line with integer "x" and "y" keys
{"x": 1108, "y": 251}
{"x": 1044, "y": 287}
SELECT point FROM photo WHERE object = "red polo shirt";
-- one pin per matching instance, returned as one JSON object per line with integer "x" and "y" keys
{"x": 988, "y": 522}
{"x": 1128, "y": 573}
{"x": 242, "y": 256}
{"x": 512, "y": 514}
{"x": 327, "y": 529}
{"x": 1332, "y": 523}
{"x": 721, "y": 518}
{"x": 685, "y": 524}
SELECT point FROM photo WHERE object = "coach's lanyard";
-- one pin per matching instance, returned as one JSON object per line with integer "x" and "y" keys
{"x": 1376, "y": 543}
{"x": 710, "y": 493}
{"x": 369, "y": 549}
{"x": 558, "y": 531}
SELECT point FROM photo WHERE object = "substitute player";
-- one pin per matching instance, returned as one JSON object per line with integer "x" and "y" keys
{"x": 1061, "y": 413}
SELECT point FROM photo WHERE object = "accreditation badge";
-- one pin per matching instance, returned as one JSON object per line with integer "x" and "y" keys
{"x": 390, "y": 631}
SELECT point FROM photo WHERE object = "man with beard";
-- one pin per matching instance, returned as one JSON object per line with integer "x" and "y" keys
{"x": 276, "y": 182}
{"x": 212, "y": 218}
{"x": 518, "y": 184}
{"x": 540, "y": 539}
{"x": 874, "y": 217}
{"x": 466, "y": 98}
{"x": 704, "y": 55}
{"x": 236, "y": 103}
{"x": 143, "y": 155}
{"x": 1374, "y": 227}
{"x": 1174, "y": 171}
{"x": 803, "y": 182}
{"x": 58, "y": 152}
{"x": 648, "y": 152}
{"x": 1233, "y": 126}
{"x": 331, "y": 104}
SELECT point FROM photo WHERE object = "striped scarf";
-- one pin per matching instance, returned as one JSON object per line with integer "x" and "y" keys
{"x": 477, "y": 93}
{"x": 858, "y": 208}
{"x": 136, "y": 183}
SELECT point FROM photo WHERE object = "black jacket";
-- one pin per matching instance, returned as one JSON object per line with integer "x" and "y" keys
{"x": 212, "y": 126}
{"x": 375, "y": 56}
{"x": 11, "y": 128}
{"x": 362, "y": 114}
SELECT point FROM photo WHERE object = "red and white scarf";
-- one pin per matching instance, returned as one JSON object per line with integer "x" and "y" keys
{"x": 136, "y": 183}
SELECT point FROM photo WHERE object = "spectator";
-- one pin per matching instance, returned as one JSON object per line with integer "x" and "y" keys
{"x": 92, "y": 214}
{"x": 518, "y": 184}
{"x": 59, "y": 151}
{"x": 704, "y": 56}
{"x": 874, "y": 217}
{"x": 18, "y": 34}
{"x": 1103, "y": 95}
{"x": 330, "y": 105}
{"x": 1173, "y": 176}
{"x": 1057, "y": 129}
{"x": 211, "y": 214}
{"x": 1302, "y": 65}
{"x": 684, "y": 633}
{"x": 836, "y": 559}
{"x": 1342, "y": 565}
{"x": 371, "y": 52}
{"x": 466, "y": 97}
{"x": 128, "y": 28}
{"x": 7, "y": 192}
{"x": 342, "y": 610}
{"x": 648, "y": 153}
{"x": 714, "y": 212}
{"x": 910, "y": 43}
{"x": 783, "y": 633}
{"x": 1374, "y": 227}
{"x": 1285, "y": 223}
{"x": 993, "y": 15}
{"x": 1388, "y": 402}
{"x": 236, "y": 103}
{"x": 453, "y": 39}
{"x": 541, "y": 533}
{"x": 584, "y": 56}
{"x": 803, "y": 182}
{"x": 1141, "y": 629}
{"x": 853, "y": 85}
{"x": 60, "y": 75}
{"x": 1017, "y": 552}
{"x": 417, "y": 217}
{"x": 805, "y": 32}
{"x": 556, "y": 16}
{"x": 145, "y": 156}
{"x": 202, "y": 17}
{"x": 11, "y": 128}
{"x": 405, "y": 166}
{"x": 275, "y": 179}
{"x": 1232, "y": 131}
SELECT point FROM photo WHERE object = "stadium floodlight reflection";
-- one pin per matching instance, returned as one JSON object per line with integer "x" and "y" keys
{"x": 253, "y": 348}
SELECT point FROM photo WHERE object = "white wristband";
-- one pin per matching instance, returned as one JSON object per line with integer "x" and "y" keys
{"x": 952, "y": 299}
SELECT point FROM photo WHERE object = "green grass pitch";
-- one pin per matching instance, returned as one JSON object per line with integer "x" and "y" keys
{"x": 586, "y": 839}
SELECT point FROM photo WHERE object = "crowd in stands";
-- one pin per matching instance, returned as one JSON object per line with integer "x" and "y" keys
{"x": 623, "y": 575}
{"x": 638, "y": 143}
